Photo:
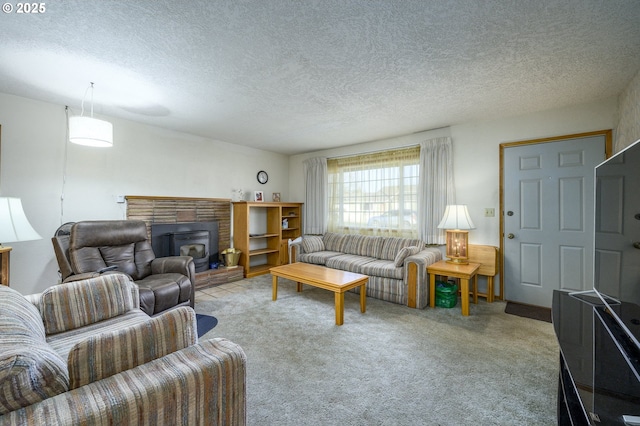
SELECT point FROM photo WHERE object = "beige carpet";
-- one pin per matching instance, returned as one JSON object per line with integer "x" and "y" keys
{"x": 389, "y": 366}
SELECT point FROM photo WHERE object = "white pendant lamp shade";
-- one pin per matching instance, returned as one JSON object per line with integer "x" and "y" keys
{"x": 14, "y": 225}
{"x": 90, "y": 131}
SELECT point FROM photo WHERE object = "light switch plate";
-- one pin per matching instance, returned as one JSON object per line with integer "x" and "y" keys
{"x": 489, "y": 212}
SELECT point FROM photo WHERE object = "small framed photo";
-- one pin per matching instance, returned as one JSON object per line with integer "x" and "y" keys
{"x": 276, "y": 197}
{"x": 258, "y": 196}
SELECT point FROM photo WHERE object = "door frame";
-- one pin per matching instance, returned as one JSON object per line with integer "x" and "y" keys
{"x": 608, "y": 134}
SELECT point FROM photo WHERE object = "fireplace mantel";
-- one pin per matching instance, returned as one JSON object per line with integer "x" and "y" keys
{"x": 154, "y": 209}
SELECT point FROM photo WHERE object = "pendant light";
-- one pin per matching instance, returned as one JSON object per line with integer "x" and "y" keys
{"x": 90, "y": 131}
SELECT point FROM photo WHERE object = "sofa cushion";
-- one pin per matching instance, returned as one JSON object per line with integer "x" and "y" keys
{"x": 382, "y": 268}
{"x": 78, "y": 303}
{"x": 335, "y": 242}
{"x": 63, "y": 342}
{"x": 348, "y": 262}
{"x": 109, "y": 353}
{"x": 364, "y": 245}
{"x": 318, "y": 257}
{"x": 30, "y": 370}
{"x": 393, "y": 245}
{"x": 404, "y": 253}
{"x": 312, "y": 243}
{"x": 19, "y": 316}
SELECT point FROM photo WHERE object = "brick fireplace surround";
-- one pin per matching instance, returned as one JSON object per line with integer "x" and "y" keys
{"x": 181, "y": 210}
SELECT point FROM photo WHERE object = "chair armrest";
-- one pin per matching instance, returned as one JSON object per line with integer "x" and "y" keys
{"x": 180, "y": 265}
{"x": 34, "y": 298}
{"x": 202, "y": 384}
{"x": 94, "y": 358}
{"x": 80, "y": 277}
{"x": 87, "y": 275}
{"x": 173, "y": 264}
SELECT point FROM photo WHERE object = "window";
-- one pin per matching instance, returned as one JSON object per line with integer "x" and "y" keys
{"x": 375, "y": 193}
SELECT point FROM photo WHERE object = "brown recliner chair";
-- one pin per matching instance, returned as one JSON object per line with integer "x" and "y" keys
{"x": 121, "y": 246}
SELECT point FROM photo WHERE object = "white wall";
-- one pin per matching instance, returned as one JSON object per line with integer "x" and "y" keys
{"x": 144, "y": 160}
{"x": 477, "y": 159}
{"x": 476, "y": 155}
{"x": 628, "y": 128}
{"x": 33, "y": 143}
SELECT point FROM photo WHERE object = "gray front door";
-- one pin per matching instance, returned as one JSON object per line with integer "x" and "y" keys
{"x": 548, "y": 217}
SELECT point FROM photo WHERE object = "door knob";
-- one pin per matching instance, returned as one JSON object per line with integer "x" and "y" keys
{"x": 511, "y": 236}
{"x": 509, "y": 213}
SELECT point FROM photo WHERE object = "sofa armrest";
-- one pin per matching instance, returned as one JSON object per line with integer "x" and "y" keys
{"x": 295, "y": 249}
{"x": 109, "y": 353}
{"x": 425, "y": 257}
{"x": 202, "y": 384}
{"x": 415, "y": 275}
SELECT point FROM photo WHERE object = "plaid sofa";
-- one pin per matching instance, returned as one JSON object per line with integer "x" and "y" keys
{"x": 84, "y": 353}
{"x": 397, "y": 267}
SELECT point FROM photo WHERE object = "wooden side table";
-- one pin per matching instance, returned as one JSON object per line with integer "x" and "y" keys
{"x": 463, "y": 272}
{"x": 4, "y": 265}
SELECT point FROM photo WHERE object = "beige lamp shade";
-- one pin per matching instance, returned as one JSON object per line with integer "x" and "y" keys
{"x": 90, "y": 131}
{"x": 14, "y": 225}
{"x": 456, "y": 216}
{"x": 457, "y": 222}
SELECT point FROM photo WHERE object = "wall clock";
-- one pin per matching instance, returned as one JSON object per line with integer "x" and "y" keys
{"x": 263, "y": 177}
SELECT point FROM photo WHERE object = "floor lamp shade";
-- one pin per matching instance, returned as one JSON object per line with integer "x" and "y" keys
{"x": 90, "y": 131}
{"x": 14, "y": 225}
{"x": 457, "y": 222}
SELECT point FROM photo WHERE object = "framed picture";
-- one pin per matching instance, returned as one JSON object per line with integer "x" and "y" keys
{"x": 258, "y": 196}
{"x": 276, "y": 197}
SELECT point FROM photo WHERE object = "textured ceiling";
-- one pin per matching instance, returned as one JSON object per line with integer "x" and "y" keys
{"x": 294, "y": 76}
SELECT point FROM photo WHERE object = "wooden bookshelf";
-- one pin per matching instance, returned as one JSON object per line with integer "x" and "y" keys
{"x": 259, "y": 233}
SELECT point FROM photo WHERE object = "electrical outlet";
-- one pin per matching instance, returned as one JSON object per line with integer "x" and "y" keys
{"x": 489, "y": 212}
{"x": 119, "y": 199}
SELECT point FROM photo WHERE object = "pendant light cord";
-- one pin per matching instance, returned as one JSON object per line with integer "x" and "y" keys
{"x": 84, "y": 97}
{"x": 64, "y": 163}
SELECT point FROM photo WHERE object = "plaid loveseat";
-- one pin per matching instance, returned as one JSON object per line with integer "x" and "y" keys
{"x": 397, "y": 267}
{"x": 84, "y": 353}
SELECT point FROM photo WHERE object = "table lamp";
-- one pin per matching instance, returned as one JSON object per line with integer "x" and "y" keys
{"x": 457, "y": 222}
{"x": 14, "y": 226}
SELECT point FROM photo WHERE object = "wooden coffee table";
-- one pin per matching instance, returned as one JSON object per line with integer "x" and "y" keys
{"x": 329, "y": 279}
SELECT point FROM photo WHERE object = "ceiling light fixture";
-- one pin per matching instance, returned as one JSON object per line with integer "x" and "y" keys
{"x": 90, "y": 131}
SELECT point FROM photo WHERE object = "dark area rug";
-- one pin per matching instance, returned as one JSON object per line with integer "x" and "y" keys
{"x": 528, "y": 311}
{"x": 205, "y": 323}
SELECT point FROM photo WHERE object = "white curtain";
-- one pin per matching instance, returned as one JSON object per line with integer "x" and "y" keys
{"x": 436, "y": 187}
{"x": 316, "y": 196}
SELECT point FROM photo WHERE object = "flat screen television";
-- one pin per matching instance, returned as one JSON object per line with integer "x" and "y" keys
{"x": 617, "y": 238}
